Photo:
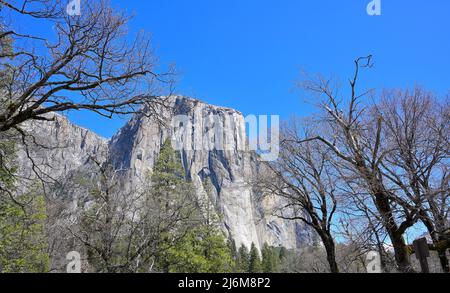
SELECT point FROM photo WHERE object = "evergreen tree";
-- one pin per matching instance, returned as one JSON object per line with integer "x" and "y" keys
{"x": 129, "y": 230}
{"x": 283, "y": 253}
{"x": 267, "y": 259}
{"x": 169, "y": 188}
{"x": 234, "y": 253}
{"x": 233, "y": 249}
{"x": 172, "y": 198}
{"x": 202, "y": 248}
{"x": 168, "y": 167}
{"x": 270, "y": 259}
{"x": 254, "y": 265}
{"x": 201, "y": 251}
{"x": 242, "y": 262}
{"x": 23, "y": 242}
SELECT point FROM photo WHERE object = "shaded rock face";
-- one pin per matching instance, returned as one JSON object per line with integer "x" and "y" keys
{"x": 233, "y": 171}
{"x": 58, "y": 148}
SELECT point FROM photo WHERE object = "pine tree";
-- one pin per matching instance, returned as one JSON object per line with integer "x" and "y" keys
{"x": 172, "y": 198}
{"x": 169, "y": 187}
{"x": 168, "y": 166}
{"x": 242, "y": 262}
{"x": 283, "y": 253}
{"x": 234, "y": 253}
{"x": 129, "y": 230}
{"x": 270, "y": 259}
{"x": 203, "y": 248}
{"x": 254, "y": 265}
{"x": 201, "y": 251}
{"x": 23, "y": 242}
{"x": 233, "y": 249}
{"x": 267, "y": 259}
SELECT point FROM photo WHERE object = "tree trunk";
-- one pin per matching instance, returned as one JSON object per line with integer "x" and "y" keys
{"x": 401, "y": 252}
{"x": 400, "y": 247}
{"x": 444, "y": 261}
{"x": 382, "y": 254}
{"x": 331, "y": 253}
{"x": 381, "y": 201}
{"x": 426, "y": 220}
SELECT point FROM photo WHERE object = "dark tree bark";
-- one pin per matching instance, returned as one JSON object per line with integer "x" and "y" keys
{"x": 306, "y": 183}
{"x": 356, "y": 140}
{"x": 330, "y": 249}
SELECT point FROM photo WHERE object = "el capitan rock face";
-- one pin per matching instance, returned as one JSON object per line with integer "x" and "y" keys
{"x": 245, "y": 212}
{"x": 59, "y": 147}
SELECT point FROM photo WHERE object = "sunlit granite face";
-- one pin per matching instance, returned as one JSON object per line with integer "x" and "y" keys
{"x": 233, "y": 170}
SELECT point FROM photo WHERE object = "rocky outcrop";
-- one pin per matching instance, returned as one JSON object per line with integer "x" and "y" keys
{"x": 233, "y": 169}
{"x": 53, "y": 149}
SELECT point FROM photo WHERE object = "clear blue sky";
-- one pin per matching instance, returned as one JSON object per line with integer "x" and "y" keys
{"x": 247, "y": 54}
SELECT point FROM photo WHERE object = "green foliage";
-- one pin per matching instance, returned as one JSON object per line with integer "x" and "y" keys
{"x": 251, "y": 262}
{"x": 271, "y": 258}
{"x": 172, "y": 199}
{"x": 170, "y": 191}
{"x": 233, "y": 249}
{"x": 242, "y": 261}
{"x": 7, "y": 152}
{"x": 23, "y": 243}
{"x": 197, "y": 245}
{"x": 254, "y": 263}
{"x": 282, "y": 253}
{"x": 200, "y": 251}
{"x": 168, "y": 168}
{"x": 168, "y": 184}
{"x": 211, "y": 218}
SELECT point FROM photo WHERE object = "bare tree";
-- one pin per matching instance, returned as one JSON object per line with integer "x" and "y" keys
{"x": 90, "y": 64}
{"x": 356, "y": 140}
{"x": 417, "y": 132}
{"x": 47, "y": 9}
{"x": 306, "y": 180}
{"x": 362, "y": 231}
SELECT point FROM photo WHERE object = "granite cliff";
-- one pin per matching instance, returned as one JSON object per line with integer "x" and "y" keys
{"x": 233, "y": 170}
